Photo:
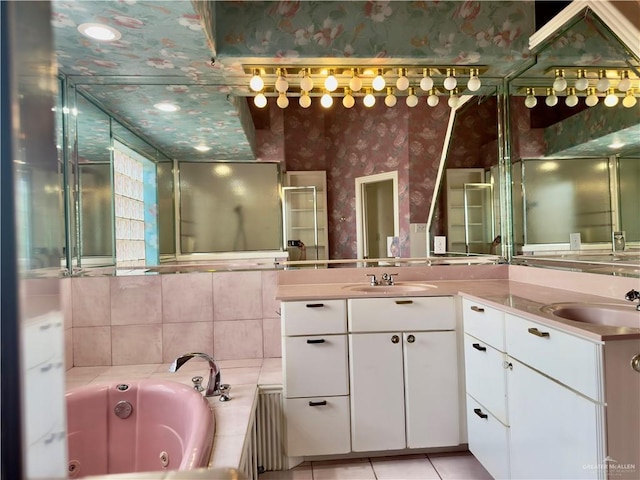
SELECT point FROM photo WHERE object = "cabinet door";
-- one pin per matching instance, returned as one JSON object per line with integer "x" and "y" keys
{"x": 555, "y": 432}
{"x": 431, "y": 389}
{"x": 377, "y": 391}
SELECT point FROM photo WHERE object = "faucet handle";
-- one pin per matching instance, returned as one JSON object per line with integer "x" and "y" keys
{"x": 225, "y": 396}
{"x": 388, "y": 277}
{"x": 373, "y": 282}
{"x": 197, "y": 383}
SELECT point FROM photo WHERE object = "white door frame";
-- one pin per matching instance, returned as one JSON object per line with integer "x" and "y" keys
{"x": 360, "y": 204}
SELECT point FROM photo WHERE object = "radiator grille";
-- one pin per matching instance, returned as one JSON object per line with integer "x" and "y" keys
{"x": 270, "y": 430}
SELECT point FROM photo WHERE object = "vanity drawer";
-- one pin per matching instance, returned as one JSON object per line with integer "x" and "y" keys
{"x": 405, "y": 314}
{"x": 486, "y": 376}
{"x": 314, "y": 317}
{"x": 484, "y": 323}
{"x": 488, "y": 439}
{"x": 571, "y": 360}
{"x": 315, "y": 365}
{"x": 317, "y": 426}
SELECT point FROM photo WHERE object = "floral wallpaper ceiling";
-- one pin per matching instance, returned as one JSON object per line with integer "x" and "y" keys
{"x": 165, "y": 51}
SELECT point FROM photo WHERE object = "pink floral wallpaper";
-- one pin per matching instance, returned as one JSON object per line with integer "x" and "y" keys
{"x": 526, "y": 142}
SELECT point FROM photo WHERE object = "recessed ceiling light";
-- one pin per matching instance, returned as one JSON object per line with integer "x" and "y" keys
{"x": 97, "y": 31}
{"x": 167, "y": 107}
{"x": 616, "y": 145}
{"x": 202, "y": 148}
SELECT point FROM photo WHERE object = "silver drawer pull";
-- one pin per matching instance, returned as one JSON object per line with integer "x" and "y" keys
{"x": 537, "y": 333}
{"x": 477, "y": 309}
{"x": 404, "y": 302}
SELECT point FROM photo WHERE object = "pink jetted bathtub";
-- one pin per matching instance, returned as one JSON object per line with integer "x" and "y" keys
{"x": 137, "y": 426}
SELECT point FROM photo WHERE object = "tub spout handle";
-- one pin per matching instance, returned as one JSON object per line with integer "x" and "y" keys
{"x": 197, "y": 383}
{"x": 225, "y": 396}
{"x": 213, "y": 386}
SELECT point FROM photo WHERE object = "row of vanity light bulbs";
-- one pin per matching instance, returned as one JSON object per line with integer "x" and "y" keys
{"x": 603, "y": 85}
{"x": 356, "y": 85}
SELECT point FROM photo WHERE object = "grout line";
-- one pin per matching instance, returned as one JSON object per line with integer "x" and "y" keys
{"x": 434, "y": 467}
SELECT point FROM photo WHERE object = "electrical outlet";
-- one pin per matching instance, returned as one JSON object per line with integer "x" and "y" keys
{"x": 439, "y": 244}
{"x": 574, "y": 241}
{"x": 420, "y": 227}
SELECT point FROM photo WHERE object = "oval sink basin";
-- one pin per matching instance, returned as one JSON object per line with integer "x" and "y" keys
{"x": 398, "y": 287}
{"x": 596, "y": 313}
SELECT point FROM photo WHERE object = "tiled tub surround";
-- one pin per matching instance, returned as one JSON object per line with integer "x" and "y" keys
{"x": 147, "y": 319}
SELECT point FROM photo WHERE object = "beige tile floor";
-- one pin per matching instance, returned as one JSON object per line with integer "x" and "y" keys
{"x": 440, "y": 466}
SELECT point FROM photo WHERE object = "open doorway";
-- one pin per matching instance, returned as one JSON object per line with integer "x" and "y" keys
{"x": 377, "y": 216}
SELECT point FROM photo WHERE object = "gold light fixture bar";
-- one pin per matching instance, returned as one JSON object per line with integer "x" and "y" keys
{"x": 365, "y": 71}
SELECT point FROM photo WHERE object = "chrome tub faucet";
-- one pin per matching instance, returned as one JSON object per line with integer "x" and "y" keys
{"x": 214, "y": 387}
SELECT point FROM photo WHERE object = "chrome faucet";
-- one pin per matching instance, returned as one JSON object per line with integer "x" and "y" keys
{"x": 214, "y": 387}
{"x": 632, "y": 296}
{"x": 387, "y": 279}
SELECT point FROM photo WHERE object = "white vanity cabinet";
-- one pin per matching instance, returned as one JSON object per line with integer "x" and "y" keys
{"x": 403, "y": 373}
{"x": 316, "y": 381}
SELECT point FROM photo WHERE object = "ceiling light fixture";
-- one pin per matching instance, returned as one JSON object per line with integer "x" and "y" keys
{"x": 283, "y": 100}
{"x": 326, "y": 101}
{"x": 202, "y": 148}
{"x": 426, "y": 83}
{"x": 530, "y": 100}
{"x": 306, "y": 83}
{"x": 560, "y": 83}
{"x": 369, "y": 100}
{"x": 304, "y": 100}
{"x": 403, "y": 82}
{"x": 582, "y": 81}
{"x": 379, "y": 82}
{"x": 611, "y": 100}
{"x": 167, "y": 107}
{"x": 412, "y": 98}
{"x": 603, "y": 81}
{"x": 572, "y": 99}
{"x": 433, "y": 99}
{"x": 260, "y": 100}
{"x": 355, "y": 82}
{"x": 256, "y": 82}
{"x": 552, "y": 99}
{"x": 453, "y": 100}
{"x": 625, "y": 83}
{"x": 450, "y": 82}
{"x": 474, "y": 82}
{"x": 390, "y": 100}
{"x": 97, "y": 31}
{"x": 629, "y": 99}
{"x": 281, "y": 83}
{"x": 331, "y": 82}
{"x": 348, "y": 101}
{"x": 592, "y": 98}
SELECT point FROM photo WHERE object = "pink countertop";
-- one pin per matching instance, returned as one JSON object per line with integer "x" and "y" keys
{"x": 521, "y": 299}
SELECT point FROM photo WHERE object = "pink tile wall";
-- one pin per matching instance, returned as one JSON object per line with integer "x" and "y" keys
{"x": 152, "y": 319}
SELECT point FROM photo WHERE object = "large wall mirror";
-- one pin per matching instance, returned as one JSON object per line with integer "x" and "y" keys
{"x": 575, "y": 144}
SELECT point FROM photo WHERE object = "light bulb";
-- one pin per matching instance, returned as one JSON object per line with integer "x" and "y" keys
{"x": 281, "y": 83}
{"x": 412, "y": 99}
{"x": 582, "y": 82}
{"x": 355, "y": 83}
{"x": 348, "y": 101}
{"x": 378, "y": 82}
{"x": 260, "y": 100}
{"x": 474, "y": 82}
{"x": 592, "y": 98}
{"x": 306, "y": 83}
{"x": 305, "y": 100}
{"x": 426, "y": 83}
{"x": 560, "y": 83}
{"x": 453, "y": 99}
{"x": 572, "y": 98}
{"x": 603, "y": 82}
{"x": 450, "y": 82}
{"x": 331, "y": 82}
{"x": 390, "y": 100}
{"x": 369, "y": 100}
{"x": 552, "y": 99}
{"x": 629, "y": 100}
{"x": 625, "y": 83}
{"x": 433, "y": 99}
{"x": 611, "y": 100}
{"x": 256, "y": 83}
{"x": 326, "y": 101}
{"x": 530, "y": 100}
{"x": 403, "y": 82}
{"x": 283, "y": 100}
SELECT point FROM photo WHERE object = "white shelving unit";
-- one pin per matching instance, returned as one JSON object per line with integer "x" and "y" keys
{"x": 470, "y": 225}
{"x": 305, "y": 213}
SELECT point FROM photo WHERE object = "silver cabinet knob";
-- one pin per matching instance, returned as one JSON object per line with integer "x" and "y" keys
{"x": 635, "y": 362}
{"x": 395, "y": 339}
{"x": 411, "y": 339}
